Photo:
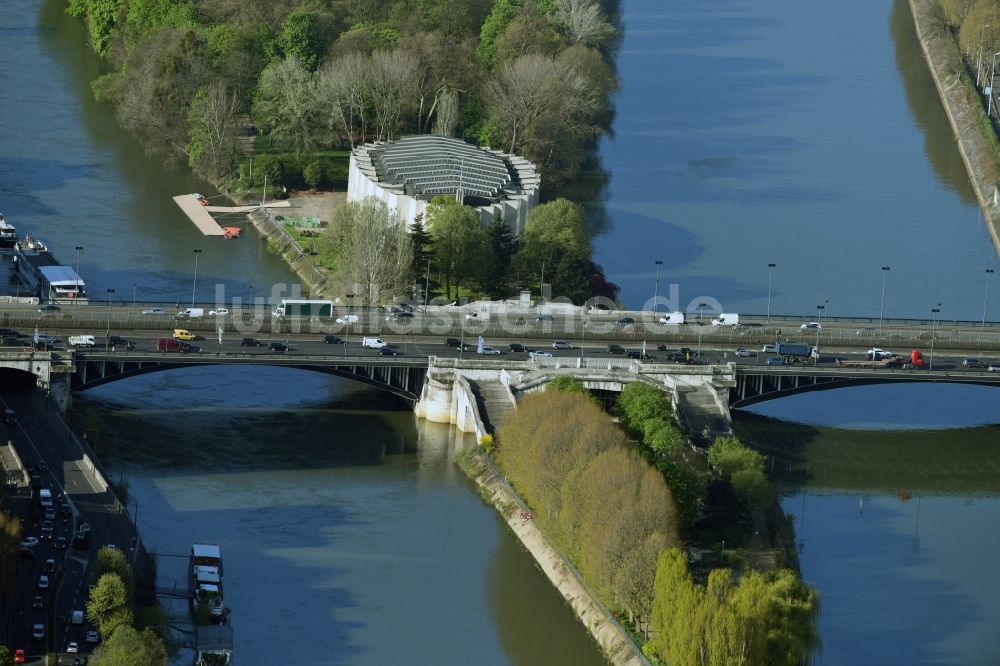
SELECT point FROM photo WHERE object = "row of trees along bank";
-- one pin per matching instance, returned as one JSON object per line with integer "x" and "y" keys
{"x": 620, "y": 502}
{"x": 369, "y": 251}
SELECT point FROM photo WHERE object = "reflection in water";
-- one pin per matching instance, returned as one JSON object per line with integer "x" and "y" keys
{"x": 895, "y": 528}
{"x": 348, "y": 531}
{"x": 925, "y": 105}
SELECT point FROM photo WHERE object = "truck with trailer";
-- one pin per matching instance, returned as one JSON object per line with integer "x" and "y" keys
{"x": 914, "y": 361}
{"x": 727, "y": 319}
{"x": 297, "y": 307}
{"x": 81, "y": 340}
{"x": 793, "y": 352}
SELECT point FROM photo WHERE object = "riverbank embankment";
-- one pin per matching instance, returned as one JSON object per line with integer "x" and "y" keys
{"x": 977, "y": 141}
{"x": 609, "y": 634}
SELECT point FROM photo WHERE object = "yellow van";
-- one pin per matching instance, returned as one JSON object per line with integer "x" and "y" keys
{"x": 181, "y": 334}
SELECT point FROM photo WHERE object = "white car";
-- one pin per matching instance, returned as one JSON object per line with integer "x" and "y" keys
{"x": 29, "y": 542}
{"x": 877, "y": 354}
{"x": 490, "y": 351}
{"x": 810, "y": 324}
{"x": 993, "y": 368}
{"x": 219, "y": 311}
{"x": 72, "y": 647}
{"x": 742, "y": 353}
{"x": 561, "y": 344}
{"x": 347, "y": 319}
{"x": 43, "y": 582}
{"x": 471, "y": 315}
{"x": 154, "y": 311}
{"x": 540, "y": 353}
{"x": 767, "y": 349}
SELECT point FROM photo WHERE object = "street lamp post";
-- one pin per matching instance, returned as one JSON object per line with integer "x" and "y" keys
{"x": 770, "y": 275}
{"x": 194, "y": 284}
{"x": 936, "y": 311}
{"x": 993, "y": 71}
{"x": 881, "y": 310}
{"x": 135, "y": 288}
{"x": 427, "y": 283}
{"x": 656, "y": 289}
{"x": 986, "y": 299}
{"x": 700, "y": 327}
{"x": 350, "y": 311}
{"x": 79, "y": 249}
{"x": 107, "y": 337}
{"x": 819, "y": 329}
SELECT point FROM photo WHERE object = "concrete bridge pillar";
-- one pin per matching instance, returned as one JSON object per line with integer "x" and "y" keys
{"x": 436, "y": 398}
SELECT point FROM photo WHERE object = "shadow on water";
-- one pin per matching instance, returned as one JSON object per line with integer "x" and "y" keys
{"x": 925, "y": 104}
{"x": 963, "y": 461}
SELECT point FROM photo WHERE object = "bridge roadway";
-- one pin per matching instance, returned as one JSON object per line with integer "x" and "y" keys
{"x": 529, "y": 325}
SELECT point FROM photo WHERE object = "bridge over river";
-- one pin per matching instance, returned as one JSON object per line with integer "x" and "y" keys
{"x": 478, "y": 394}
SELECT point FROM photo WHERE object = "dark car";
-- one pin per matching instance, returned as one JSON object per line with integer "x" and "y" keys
{"x": 11, "y": 340}
{"x": 60, "y": 543}
{"x": 38, "y": 602}
{"x": 516, "y": 348}
{"x": 624, "y": 321}
{"x": 251, "y": 342}
{"x": 387, "y": 351}
{"x": 616, "y": 349}
{"x": 36, "y": 482}
{"x": 49, "y": 566}
{"x": 402, "y": 315}
{"x": 42, "y": 467}
{"x": 661, "y": 347}
{"x": 332, "y": 340}
{"x": 119, "y": 341}
{"x": 543, "y": 318}
{"x": 27, "y": 553}
{"x": 278, "y": 347}
{"x": 9, "y": 332}
{"x": 49, "y": 308}
{"x": 637, "y": 354}
{"x": 973, "y": 363}
{"x": 453, "y": 342}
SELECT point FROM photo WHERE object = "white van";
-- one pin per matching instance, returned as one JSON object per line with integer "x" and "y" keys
{"x": 727, "y": 319}
{"x": 82, "y": 340}
{"x": 372, "y": 343}
{"x": 45, "y": 498}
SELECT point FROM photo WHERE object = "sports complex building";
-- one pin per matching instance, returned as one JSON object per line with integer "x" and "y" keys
{"x": 407, "y": 173}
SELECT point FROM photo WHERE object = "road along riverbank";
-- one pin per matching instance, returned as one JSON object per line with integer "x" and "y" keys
{"x": 977, "y": 141}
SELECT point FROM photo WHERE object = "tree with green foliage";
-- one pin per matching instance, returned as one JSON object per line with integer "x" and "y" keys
{"x": 129, "y": 647}
{"x": 980, "y": 32}
{"x": 300, "y": 38}
{"x": 213, "y": 119}
{"x": 144, "y": 16}
{"x": 639, "y": 402}
{"x": 529, "y": 33}
{"x": 423, "y": 250}
{"x": 107, "y": 606}
{"x": 765, "y": 619}
{"x": 102, "y": 20}
{"x": 729, "y": 455}
{"x": 503, "y": 14}
{"x": 370, "y": 249}
{"x": 570, "y": 384}
{"x": 285, "y": 104}
{"x": 459, "y": 241}
{"x": 497, "y": 262}
{"x": 556, "y": 232}
{"x": 113, "y": 561}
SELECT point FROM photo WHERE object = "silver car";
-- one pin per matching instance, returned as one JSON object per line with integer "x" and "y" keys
{"x": 561, "y": 344}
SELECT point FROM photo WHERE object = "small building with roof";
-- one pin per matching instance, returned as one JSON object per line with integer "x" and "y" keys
{"x": 407, "y": 173}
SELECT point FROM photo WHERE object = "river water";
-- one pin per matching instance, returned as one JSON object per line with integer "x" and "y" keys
{"x": 746, "y": 133}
